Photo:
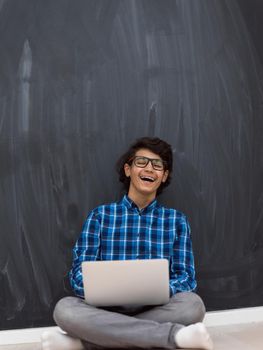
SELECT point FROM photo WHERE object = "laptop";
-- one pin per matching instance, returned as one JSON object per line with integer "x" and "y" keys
{"x": 126, "y": 282}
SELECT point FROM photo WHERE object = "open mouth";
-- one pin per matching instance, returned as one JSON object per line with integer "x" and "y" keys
{"x": 147, "y": 178}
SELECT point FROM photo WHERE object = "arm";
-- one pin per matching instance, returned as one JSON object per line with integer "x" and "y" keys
{"x": 87, "y": 248}
{"x": 182, "y": 270}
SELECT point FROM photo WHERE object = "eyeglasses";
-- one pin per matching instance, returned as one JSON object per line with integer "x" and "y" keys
{"x": 142, "y": 162}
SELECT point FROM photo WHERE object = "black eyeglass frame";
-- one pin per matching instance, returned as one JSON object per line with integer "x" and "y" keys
{"x": 133, "y": 160}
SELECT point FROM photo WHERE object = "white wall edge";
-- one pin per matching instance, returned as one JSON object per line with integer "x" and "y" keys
{"x": 212, "y": 319}
{"x": 234, "y": 316}
{"x": 23, "y": 336}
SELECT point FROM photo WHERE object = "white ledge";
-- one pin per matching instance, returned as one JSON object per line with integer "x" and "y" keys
{"x": 212, "y": 319}
{"x": 235, "y": 316}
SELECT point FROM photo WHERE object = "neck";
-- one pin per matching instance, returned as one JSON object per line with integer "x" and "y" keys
{"x": 141, "y": 200}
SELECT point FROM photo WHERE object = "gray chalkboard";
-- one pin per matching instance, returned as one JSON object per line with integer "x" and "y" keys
{"x": 80, "y": 80}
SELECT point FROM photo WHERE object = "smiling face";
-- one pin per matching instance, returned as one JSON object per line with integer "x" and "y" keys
{"x": 144, "y": 182}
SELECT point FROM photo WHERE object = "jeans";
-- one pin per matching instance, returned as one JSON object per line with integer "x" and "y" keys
{"x": 128, "y": 327}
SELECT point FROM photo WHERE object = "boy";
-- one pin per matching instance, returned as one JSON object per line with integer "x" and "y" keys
{"x": 137, "y": 227}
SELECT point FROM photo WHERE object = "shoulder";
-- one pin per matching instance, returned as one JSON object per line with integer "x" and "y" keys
{"x": 172, "y": 213}
{"x": 106, "y": 209}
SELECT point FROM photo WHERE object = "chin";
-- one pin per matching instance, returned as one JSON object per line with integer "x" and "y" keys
{"x": 148, "y": 191}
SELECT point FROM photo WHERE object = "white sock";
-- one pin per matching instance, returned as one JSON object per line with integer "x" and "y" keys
{"x": 56, "y": 340}
{"x": 194, "y": 336}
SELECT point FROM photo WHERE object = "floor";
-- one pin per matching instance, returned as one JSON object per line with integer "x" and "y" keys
{"x": 234, "y": 337}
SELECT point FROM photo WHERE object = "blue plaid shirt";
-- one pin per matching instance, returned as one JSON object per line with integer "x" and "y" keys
{"x": 120, "y": 231}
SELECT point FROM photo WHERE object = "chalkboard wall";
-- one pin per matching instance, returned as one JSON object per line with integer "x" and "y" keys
{"x": 79, "y": 81}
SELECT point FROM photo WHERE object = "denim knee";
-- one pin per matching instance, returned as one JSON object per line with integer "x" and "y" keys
{"x": 62, "y": 312}
{"x": 198, "y": 308}
{"x": 194, "y": 307}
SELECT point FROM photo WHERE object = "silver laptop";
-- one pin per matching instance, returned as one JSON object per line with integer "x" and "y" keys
{"x": 126, "y": 282}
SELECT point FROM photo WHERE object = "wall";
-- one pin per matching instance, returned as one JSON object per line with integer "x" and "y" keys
{"x": 80, "y": 80}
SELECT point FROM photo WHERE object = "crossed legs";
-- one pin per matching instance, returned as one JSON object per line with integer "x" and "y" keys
{"x": 162, "y": 326}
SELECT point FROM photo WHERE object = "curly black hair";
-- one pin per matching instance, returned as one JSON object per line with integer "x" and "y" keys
{"x": 155, "y": 145}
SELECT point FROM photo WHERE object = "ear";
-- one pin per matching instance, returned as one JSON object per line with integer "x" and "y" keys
{"x": 127, "y": 169}
{"x": 165, "y": 175}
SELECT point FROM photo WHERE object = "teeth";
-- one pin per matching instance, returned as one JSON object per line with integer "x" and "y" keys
{"x": 147, "y": 178}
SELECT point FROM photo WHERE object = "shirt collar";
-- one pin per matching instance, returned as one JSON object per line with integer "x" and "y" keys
{"x": 131, "y": 205}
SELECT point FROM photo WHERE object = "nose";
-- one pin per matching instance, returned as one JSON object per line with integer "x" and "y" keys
{"x": 149, "y": 166}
